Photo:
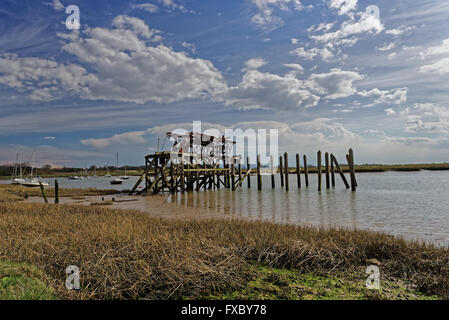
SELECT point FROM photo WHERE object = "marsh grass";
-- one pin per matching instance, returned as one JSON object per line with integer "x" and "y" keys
{"x": 125, "y": 254}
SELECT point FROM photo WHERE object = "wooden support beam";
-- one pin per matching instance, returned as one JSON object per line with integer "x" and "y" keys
{"x": 56, "y": 192}
{"x": 332, "y": 172}
{"x": 319, "y": 169}
{"x": 306, "y": 171}
{"x": 259, "y": 177}
{"x": 281, "y": 171}
{"x": 286, "y": 170}
{"x": 298, "y": 171}
{"x": 233, "y": 174}
{"x": 247, "y": 174}
{"x": 273, "y": 183}
{"x": 351, "y": 170}
{"x": 248, "y": 167}
{"x": 43, "y": 192}
{"x": 326, "y": 159}
{"x": 342, "y": 175}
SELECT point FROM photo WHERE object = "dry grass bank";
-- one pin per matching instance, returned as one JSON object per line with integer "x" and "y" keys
{"x": 130, "y": 255}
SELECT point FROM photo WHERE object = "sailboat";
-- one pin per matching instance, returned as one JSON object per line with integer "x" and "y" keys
{"x": 17, "y": 174}
{"x": 117, "y": 180}
{"x": 33, "y": 181}
{"x": 125, "y": 177}
{"x": 108, "y": 175}
{"x": 74, "y": 177}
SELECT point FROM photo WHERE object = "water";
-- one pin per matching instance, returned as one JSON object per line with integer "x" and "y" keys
{"x": 414, "y": 205}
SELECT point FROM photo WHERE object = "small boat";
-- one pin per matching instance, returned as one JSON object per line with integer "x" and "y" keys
{"x": 117, "y": 181}
{"x": 17, "y": 175}
{"x": 74, "y": 178}
{"x": 108, "y": 175}
{"x": 34, "y": 183}
{"x": 125, "y": 177}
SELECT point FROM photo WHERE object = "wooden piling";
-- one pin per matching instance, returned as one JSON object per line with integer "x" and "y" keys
{"x": 240, "y": 170}
{"x": 56, "y": 191}
{"x": 43, "y": 192}
{"x": 332, "y": 172}
{"x": 259, "y": 177}
{"x": 342, "y": 175}
{"x": 306, "y": 171}
{"x": 286, "y": 171}
{"x": 248, "y": 168}
{"x": 233, "y": 174}
{"x": 326, "y": 159}
{"x": 273, "y": 183}
{"x": 281, "y": 171}
{"x": 298, "y": 171}
{"x": 319, "y": 169}
{"x": 182, "y": 179}
{"x": 351, "y": 170}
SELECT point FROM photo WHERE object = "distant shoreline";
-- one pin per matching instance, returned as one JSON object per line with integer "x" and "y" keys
{"x": 55, "y": 173}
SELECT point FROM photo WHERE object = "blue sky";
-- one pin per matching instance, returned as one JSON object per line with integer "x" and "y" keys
{"x": 324, "y": 73}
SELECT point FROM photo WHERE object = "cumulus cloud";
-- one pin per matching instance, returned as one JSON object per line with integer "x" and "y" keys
{"x": 365, "y": 24}
{"x": 266, "y": 19}
{"x": 125, "y": 67}
{"x": 134, "y": 137}
{"x": 440, "y": 66}
{"x": 146, "y": 6}
{"x": 427, "y": 117}
{"x": 270, "y": 91}
{"x": 254, "y": 63}
{"x": 343, "y": 6}
{"x": 399, "y": 31}
{"x": 324, "y": 53}
{"x": 335, "y": 84}
{"x": 387, "y": 47}
{"x": 395, "y": 96}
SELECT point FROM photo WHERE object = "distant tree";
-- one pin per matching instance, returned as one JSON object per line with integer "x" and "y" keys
{"x": 46, "y": 167}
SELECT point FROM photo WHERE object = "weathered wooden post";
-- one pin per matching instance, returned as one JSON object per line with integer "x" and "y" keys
{"x": 306, "y": 171}
{"x": 351, "y": 170}
{"x": 240, "y": 170}
{"x": 281, "y": 171}
{"x": 259, "y": 177}
{"x": 298, "y": 171}
{"x": 56, "y": 191}
{"x": 273, "y": 183}
{"x": 182, "y": 180}
{"x": 332, "y": 172}
{"x": 286, "y": 171}
{"x": 248, "y": 178}
{"x": 233, "y": 174}
{"x": 43, "y": 192}
{"x": 342, "y": 175}
{"x": 319, "y": 169}
{"x": 348, "y": 159}
{"x": 172, "y": 175}
{"x": 326, "y": 159}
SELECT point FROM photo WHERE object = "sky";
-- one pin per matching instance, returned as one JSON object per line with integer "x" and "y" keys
{"x": 327, "y": 74}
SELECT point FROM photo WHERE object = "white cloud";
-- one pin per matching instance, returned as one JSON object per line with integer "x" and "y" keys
{"x": 265, "y": 18}
{"x": 324, "y": 53}
{"x": 270, "y": 91}
{"x": 124, "y": 68}
{"x": 343, "y": 6}
{"x": 399, "y": 31}
{"x": 55, "y": 4}
{"x": 253, "y": 64}
{"x": 146, "y": 6}
{"x": 387, "y": 47}
{"x": 366, "y": 24}
{"x": 390, "y": 111}
{"x": 440, "y": 66}
{"x": 395, "y": 96}
{"x": 335, "y": 84}
{"x": 134, "y": 137}
{"x": 427, "y": 117}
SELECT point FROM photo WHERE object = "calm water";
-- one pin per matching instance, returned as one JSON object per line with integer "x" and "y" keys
{"x": 414, "y": 205}
{"x": 410, "y": 204}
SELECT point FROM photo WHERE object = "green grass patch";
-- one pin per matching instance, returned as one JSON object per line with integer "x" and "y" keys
{"x": 22, "y": 282}
{"x": 267, "y": 283}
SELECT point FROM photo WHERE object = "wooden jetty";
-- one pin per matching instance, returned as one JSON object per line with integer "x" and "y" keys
{"x": 179, "y": 171}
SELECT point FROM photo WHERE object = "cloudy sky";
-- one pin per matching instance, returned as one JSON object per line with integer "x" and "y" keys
{"x": 324, "y": 73}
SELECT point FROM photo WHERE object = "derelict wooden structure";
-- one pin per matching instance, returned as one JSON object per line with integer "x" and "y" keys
{"x": 193, "y": 165}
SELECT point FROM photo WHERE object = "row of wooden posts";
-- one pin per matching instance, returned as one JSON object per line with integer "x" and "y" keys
{"x": 331, "y": 164}
{"x": 163, "y": 175}
{"x": 44, "y": 195}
